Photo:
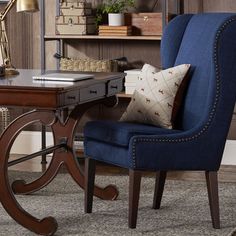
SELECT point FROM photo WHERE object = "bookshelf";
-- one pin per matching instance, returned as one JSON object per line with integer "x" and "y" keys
{"x": 62, "y": 40}
{"x": 97, "y": 37}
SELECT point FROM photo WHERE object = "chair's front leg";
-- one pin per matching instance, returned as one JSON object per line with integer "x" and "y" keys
{"x": 159, "y": 188}
{"x": 90, "y": 167}
{"x": 212, "y": 187}
{"x": 134, "y": 192}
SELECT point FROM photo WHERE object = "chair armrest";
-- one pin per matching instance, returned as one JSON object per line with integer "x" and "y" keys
{"x": 189, "y": 150}
{"x": 184, "y": 136}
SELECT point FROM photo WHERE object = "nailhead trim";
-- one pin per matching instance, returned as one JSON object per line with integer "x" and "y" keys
{"x": 212, "y": 113}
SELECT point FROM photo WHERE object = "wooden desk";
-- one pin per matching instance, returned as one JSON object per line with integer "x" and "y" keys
{"x": 50, "y": 102}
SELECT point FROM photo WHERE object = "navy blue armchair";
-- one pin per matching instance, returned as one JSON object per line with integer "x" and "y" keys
{"x": 208, "y": 43}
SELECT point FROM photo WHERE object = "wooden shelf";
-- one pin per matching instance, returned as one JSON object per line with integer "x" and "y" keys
{"x": 124, "y": 95}
{"x": 150, "y": 38}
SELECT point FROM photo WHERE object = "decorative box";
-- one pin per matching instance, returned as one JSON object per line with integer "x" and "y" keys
{"x": 77, "y": 25}
{"x": 75, "y": 8}
{"x": 145, "y": 23}
{"x": 75, "y": 3}
{"x": 75, "y": 29}
{"x": 75, "y": 20}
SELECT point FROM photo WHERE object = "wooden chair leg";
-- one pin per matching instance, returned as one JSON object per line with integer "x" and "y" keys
{"x": 159, "y": 188}
{"x": 90, "y": 166}
{"x": 212, "y": 187}
{"x": 134, "y": 191}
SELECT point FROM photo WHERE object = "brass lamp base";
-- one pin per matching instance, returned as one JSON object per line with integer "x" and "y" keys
{"x": 11, "y": 71}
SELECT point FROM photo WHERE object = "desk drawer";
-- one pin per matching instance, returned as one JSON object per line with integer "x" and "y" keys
{"x": 114, "y": 87}
{"x": 71, "y": 98}
{"x": 92, "y": 92}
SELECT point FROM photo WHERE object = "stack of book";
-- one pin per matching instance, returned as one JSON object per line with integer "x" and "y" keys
{"x": 131, "y": 79}
{"x": 106, "y": 30}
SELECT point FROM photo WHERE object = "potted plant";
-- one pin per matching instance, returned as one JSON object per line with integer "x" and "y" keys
{"x": 115, "y": 10}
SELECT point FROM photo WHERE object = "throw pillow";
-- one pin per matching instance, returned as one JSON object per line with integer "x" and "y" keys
{"x": 157, "y": 96}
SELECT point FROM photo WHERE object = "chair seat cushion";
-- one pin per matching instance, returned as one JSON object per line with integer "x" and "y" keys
{"x": 120, "y": 133}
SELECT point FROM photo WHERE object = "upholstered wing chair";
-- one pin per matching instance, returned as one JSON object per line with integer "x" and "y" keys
{"x": 208, "y": 43}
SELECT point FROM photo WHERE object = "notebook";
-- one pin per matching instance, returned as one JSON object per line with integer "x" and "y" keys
{"x": 57, "y": 77}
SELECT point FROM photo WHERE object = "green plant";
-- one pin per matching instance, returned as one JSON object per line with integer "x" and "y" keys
{"x": 99, "y": 15}
{"x": 112, "y": 6}
{"x": 117, "y": 6}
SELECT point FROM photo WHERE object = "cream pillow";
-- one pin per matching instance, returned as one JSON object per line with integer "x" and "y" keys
{"x": 157, "y": 96}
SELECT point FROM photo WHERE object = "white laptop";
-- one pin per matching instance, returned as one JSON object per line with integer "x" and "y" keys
{"x": 63, "y": 77}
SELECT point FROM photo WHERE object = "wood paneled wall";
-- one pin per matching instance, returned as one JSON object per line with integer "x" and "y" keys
{"x": 24, "y": 38}
{"x": 195, "y": 6}
{"x": 219, "y": 5}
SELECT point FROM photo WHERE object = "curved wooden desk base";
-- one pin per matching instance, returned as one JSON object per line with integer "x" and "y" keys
{"x": 62, "y": 132}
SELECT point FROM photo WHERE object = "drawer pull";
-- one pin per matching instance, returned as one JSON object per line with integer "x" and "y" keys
{"x": 114, "y": 87}
{"x": 71, "y": 97}
{"x": 70, "y": 21}
{"x": 93, "y": 91}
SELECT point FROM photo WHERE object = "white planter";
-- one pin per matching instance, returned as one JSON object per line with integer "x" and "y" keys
{"x": 116, "y": 19}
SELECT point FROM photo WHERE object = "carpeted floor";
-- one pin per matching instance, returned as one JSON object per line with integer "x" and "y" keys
{"x": 184, "y": 210}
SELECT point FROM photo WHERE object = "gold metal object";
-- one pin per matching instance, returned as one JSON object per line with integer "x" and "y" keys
{"x": 7, "y": 69}
{"x": 27, "y": 6}
{"x": 5, "y": 58}
{"x": 145, "y": 18}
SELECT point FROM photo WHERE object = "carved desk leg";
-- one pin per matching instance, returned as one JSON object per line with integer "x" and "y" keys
{"x": 66, "y": 131}
{"x": 61, "y": 131}
{"x": 110, "y": 192}
{"x": 46, "y": 226}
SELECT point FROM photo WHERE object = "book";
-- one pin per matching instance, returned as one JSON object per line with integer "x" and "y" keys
{"x": 132, "y": 75}
{"x": 114, "y": 34}
{"x": 63, "y": 77}
{"x": 107, "y": 27}
{"x": 114, "y": 31}
{"x": 107, "y": 30}
{"x": 127, "y": 84}
{"x": 131, "y": 78}
{"x": 129, "y": 90}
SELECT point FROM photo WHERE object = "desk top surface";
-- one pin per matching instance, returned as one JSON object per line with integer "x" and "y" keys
{"x": 25, "y": 81}
{"x": 22, "y": 90}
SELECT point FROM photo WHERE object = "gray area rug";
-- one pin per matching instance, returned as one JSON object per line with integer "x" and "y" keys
{"x": 184, "y": 210}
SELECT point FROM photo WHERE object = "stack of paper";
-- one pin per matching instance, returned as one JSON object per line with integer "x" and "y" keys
{"x": 131, "y": 79}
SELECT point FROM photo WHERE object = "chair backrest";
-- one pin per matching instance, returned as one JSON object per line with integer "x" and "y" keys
{"x": 208, "y": 43}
